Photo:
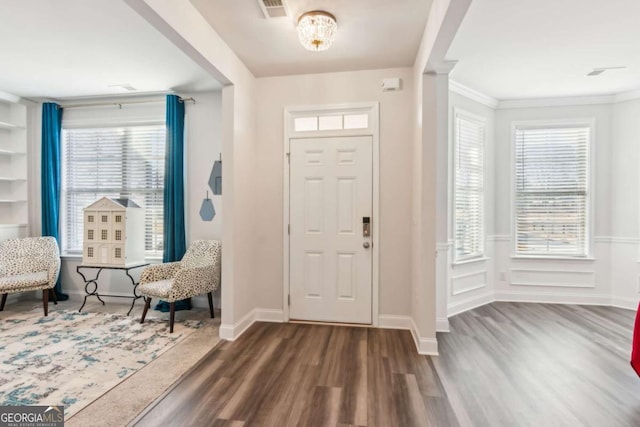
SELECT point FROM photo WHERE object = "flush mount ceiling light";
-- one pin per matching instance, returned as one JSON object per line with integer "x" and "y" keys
{"x": 316, "y": 30}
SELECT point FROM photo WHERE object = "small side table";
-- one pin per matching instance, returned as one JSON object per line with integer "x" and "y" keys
{"x": 94, "y": 282}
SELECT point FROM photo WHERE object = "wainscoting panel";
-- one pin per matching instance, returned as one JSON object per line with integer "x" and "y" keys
{"x": 468, "y": 282}
{"x": 553, "y": 278}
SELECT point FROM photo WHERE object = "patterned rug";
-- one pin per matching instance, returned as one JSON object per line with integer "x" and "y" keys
{"x": 71, "y": 358}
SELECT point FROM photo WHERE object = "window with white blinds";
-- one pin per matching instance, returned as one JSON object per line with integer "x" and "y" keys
{"x": 552, "y": 190}
{"x": 469, "y": 187}
{"x": 113, "y": 162}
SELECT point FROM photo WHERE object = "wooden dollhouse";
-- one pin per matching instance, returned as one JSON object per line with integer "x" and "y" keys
{"x": 113, "y": 233}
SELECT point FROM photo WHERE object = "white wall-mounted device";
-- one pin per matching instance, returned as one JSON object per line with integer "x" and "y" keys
{"x": 390, "y": 84}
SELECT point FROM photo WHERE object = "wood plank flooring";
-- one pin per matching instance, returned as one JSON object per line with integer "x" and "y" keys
{"x": 309, "y": 375}
{"x": 504, "y": 364}
{"x": 518, "y": 364}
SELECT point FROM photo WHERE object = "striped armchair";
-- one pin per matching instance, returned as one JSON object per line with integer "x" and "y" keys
{"x": 29, "y": 264}
{"x": 197, "y": 273}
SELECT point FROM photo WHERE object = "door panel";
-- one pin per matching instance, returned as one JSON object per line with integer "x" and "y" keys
{"x": 331, "y": 191}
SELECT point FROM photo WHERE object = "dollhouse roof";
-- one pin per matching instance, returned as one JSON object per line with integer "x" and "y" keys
{"x": 107, "y": 203}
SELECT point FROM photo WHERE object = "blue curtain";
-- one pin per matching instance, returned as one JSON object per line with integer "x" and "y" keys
{"x": 174, "y": 230}
{"x": 50, "y": 179}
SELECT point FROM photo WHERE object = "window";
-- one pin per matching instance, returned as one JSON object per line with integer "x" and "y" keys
{"x": 113, "y": 162}
{"x": 105, "y": 218}
{"x": 104, "y": 235}
{"x": 469, "y": 186}
{"x": 90, "y": 218}
{"x": 118, "y": 252}
{"x": 118, "y": 218}
{"x": 90, "y": 252}
{"x": 551, "y": 189}
{"x": 118, "y": 234}
{"x": 89, "y": 234}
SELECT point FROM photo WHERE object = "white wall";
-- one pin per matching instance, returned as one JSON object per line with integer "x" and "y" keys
{"x": 625, "y": 206}
{"x": 203, "y": 142}
{"x": 276, "y": 93}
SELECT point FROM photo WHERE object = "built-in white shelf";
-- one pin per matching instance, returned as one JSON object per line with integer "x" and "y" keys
{"x": 10, "y": 126}
{"x": 12, "y": 225}
{"x": 13, "y": 165}
{"x": 11, "y": 152}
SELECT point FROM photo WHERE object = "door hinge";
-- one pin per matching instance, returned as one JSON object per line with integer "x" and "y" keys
{"x": 288, "y": 228}
{"x": 289, "y": 158}
{"x": 289, "y": 300}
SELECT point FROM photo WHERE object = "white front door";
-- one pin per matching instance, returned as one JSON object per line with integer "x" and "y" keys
{"x": 331, "y": 182}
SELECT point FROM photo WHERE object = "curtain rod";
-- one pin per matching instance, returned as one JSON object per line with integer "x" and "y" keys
{"x": 120, "y": 104}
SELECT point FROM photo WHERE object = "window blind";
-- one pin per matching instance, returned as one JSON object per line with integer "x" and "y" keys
{"x": 113, "y": 162}
{"x": 469, "y": 188}
{"x": 552, "y": 169}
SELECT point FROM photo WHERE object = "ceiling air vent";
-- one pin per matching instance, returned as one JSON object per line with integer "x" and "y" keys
{"x": 273, "y": 8}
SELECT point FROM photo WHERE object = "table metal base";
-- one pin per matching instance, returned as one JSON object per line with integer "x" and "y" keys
{"x": 91, "y": 285}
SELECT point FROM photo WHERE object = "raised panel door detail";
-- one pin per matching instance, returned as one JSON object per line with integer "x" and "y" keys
{"x": 314, "y": 158}
{"x": 346, "y": 275}
{"x": 313, "y": 274}
{"x": 314, "y": 201}
{"x": 346, "y": 202}
{"x": 346, "y": 157}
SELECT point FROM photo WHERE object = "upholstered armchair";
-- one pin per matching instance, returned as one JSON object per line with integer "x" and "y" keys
{"x": 29, "y": 264}
{"x": 197, "y": 273}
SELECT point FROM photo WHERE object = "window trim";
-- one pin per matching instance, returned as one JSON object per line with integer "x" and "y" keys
{"x": 459, "y": 112}
{"x": 589, "y": 122}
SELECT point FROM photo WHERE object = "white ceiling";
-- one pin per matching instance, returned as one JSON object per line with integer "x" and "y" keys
{"x": 512, "y": 49}
{"x": 371, "y": 34}
{"x": 74, "y": 48}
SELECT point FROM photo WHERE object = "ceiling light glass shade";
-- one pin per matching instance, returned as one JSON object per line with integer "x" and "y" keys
{"x": 317, "y": 30}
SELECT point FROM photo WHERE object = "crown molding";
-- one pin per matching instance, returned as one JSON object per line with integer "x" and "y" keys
{"x": 473, "y": 94}
{"x": 627, "y": 96}
{"x": 555, "y": 102}
{"x": 503, "y": 104}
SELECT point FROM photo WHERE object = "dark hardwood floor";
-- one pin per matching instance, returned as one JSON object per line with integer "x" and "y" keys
{"x": 504, "y": 364}
{"x": 309, "y": 375}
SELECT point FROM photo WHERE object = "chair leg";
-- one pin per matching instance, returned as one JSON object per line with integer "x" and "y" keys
{"x": 172, "y": 316}
{"x": 210, "y": 296}
{"x": 147, "y": 303}
{"x": 45, "y": 301}
{"x": 4, "y": 300}
{"x": 53, "y": 294}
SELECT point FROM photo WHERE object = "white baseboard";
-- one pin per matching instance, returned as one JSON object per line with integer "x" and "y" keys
{"x": 232, "y": 332}
{"x": 442, "y": 325}
{"x": 394, "y": 321}
{"x": 547, "y": 298}
{"x": 628, "y": 303}
{"x": 425, "y": 346}
{"x": 470, "y": 303}
{"x": 269, "y": 315}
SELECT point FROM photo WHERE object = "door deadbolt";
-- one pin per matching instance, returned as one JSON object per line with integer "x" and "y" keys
{"x": 366, "y": 226}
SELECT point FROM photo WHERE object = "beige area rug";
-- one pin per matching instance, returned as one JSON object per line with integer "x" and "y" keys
{"x": 123, "y": 403}
{"x": 71, "y": 358}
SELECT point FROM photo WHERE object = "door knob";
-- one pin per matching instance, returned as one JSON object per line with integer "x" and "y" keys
{"x": 366, "y": 245}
